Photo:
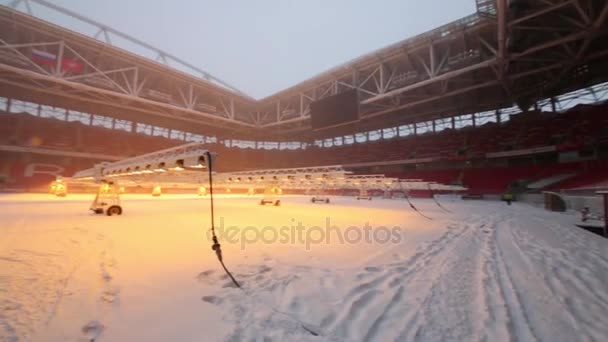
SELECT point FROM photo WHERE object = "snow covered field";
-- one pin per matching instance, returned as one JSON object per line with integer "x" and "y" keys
{"x": 483, "y": 272}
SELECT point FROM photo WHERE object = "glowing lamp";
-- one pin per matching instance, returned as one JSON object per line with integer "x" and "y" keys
{"x": 156, "y": 191}
{"x": 160, "y": 168}
{"x": 195, "y": 162}
{"x": 147, "y": 169}
{"x": 179, "y": 166}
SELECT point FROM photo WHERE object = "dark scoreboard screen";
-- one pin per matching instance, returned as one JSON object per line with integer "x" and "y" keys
{"x": 335, "y": 110}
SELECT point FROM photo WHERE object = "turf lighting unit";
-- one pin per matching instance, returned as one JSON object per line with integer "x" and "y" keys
{"x": 193, "y": 155}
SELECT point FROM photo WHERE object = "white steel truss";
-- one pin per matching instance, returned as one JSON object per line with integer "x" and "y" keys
{"x": 182, "y": 166}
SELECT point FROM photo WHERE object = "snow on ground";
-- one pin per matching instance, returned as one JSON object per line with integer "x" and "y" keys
{"x": 485, "y": 271}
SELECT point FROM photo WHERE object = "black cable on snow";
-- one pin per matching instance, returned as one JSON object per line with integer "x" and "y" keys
{"x": 436, "y": 201}
{"x": 216, "y": 245}
{"x": 407, "y": 198}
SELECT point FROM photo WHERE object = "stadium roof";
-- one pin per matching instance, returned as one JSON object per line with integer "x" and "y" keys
{"x": 482, "y": 62}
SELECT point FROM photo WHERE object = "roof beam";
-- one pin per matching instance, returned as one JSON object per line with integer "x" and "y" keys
{"x": 432, "y": 80}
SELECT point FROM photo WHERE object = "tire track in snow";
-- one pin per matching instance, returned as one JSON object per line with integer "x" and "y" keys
{"x": 396, "y": 273}
{"x": 361, "y": 300}
{"x": 518, "y": 318}
{"x": 453, "y": 306}
{"x": 415, "y": 285}
{"x": 495, "y": 323}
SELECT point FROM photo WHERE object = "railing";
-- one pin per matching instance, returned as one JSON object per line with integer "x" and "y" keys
{"x": 486, "y": 8}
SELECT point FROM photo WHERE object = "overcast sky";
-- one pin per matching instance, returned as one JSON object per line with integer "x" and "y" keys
{"x": 263, "y": 46}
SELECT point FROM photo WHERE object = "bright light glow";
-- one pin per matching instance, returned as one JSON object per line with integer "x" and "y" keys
{"x": 160, "y": 170}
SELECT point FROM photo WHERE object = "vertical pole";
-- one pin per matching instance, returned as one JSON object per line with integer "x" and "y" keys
{"x": 605, "y": 195}
{"x": 502, "y": 36}
{"x": 59, "y": 64}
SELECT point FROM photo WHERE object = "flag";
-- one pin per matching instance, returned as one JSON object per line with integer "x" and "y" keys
{"x": 43, "y": 57}
{"x": 67, "y": 64}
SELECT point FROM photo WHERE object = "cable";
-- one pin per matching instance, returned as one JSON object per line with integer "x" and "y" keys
{"x": 407, "y": 198}
{"x": 436, "y": 201}
{"x": 216, "y": 245}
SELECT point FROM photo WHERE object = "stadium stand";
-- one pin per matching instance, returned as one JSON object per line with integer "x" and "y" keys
{"x": 439, "y": 157}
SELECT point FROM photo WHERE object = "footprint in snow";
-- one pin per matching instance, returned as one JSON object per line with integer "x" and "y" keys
{"x": 212, "y": 300}
{"x": 110, "y": 296}
{"x": 92, "y": 330}
{"x": 264, "y": 269}
{"x": 205, "y": 276}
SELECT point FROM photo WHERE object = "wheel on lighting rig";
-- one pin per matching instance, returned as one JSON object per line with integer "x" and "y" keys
{"x": 107, "y": 200}
{"x": 114, "y": 210}
{"x": 321, "y": 199}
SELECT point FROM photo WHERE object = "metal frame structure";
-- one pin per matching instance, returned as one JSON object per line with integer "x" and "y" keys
{"x": 501, "y": 55}
{"x": 88, "y": 71}
{"x": 177, "y": 165}
{"x": 181, "y": 167}
{"x": 486, "y": 61}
